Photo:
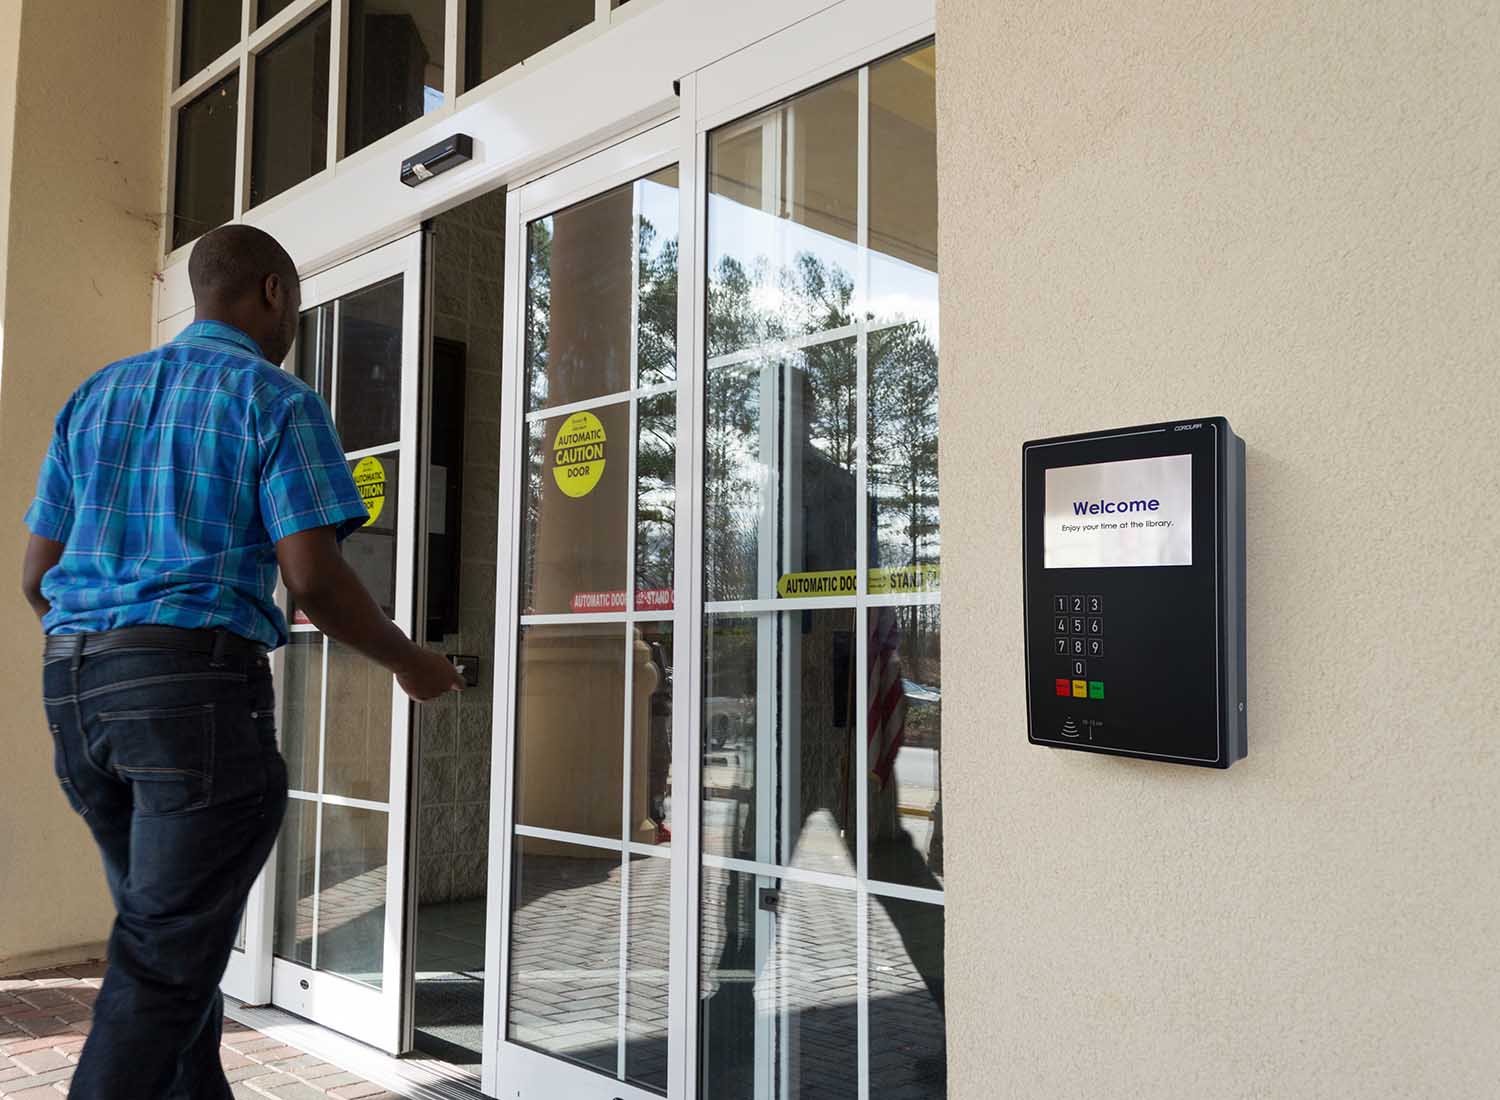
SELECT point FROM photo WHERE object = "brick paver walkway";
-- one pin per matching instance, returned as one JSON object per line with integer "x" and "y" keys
{"x": 44, "y": 1017}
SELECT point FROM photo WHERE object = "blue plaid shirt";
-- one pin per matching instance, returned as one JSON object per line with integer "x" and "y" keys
{"x": 169, "y": 479}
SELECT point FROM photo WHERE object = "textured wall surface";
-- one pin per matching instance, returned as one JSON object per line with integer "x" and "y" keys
{"x": 85, "y": 192}
{"x": 1288, "y": 214}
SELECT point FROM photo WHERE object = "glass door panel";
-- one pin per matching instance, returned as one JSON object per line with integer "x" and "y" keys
{"x": 588, "y": 933}
{"x": 328, "y": 941}
{"x": 820, "y": 905}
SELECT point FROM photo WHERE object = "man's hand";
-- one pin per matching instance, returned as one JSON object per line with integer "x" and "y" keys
{"x": 429, "y": 675}
{"x": 331, "y": 594}
{"x": 41, "y": 555}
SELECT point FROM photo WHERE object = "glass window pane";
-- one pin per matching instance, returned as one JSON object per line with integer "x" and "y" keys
{"x": 651, "y": 750}
{"x": 905, "y": 752}
{"x": 315, "y": 349}
{"x": 369, "y": 351}
{"x": 266, "y": 10}
{"x": 395, "y": 66}
{"x": 780, "y": 467}
{"x": 296, "y": 868}
{"x": 209, "y": 27}
{"x": 570, "y": 728}
{"x": 903, "y": 470}
{"x": 502, "y": 33}
{"x": 578, "y": 302}
{"x": 565, "y": 952}
{"x": 357, "y": 750}
{"x": 301, "y": 691}
{"x": 797, "y": 809}
{"x": 206, "y": 129}
{"x": 371, "y": 550}
{"x": 783, "y": 199}
{"x": 908, "y": 1046}
{"x": 649, "y": 959}
{"x": 655, "y": 502}
{"x": 573, "y": 537}
{"x": 351, "y": 893}
{"x": 656, "y": 328}
{"x": 806, "y": 988}
{"x": 291, "y": 110}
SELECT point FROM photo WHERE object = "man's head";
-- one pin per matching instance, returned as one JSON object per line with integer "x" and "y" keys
{"x": 242, "y": 277}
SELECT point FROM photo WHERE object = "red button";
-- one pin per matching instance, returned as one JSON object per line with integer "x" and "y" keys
{"x": 1065, "y": 688}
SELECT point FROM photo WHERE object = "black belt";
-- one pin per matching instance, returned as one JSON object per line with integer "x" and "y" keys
{"x": 216, "y": 643}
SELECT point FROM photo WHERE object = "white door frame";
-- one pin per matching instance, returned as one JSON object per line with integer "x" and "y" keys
{"x": 371, "y": 1015}
{"x": 836, "y": 40}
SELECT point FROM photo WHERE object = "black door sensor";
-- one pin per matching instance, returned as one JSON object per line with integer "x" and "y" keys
{"x": 436, "y": 159}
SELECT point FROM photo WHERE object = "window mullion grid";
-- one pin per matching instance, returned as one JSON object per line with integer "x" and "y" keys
{"x": 453, "y": 50}
{"x": 337, "y": 94}
{"x": 628, "y": 633}
{"x": 244, "y": 128}
{"x": 861, "y": 714}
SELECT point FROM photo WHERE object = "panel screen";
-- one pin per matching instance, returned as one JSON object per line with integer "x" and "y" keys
{"x": 1115, "y": 514}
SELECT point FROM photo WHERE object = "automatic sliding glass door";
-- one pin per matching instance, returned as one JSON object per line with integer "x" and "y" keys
{"x": 821, "y": 920}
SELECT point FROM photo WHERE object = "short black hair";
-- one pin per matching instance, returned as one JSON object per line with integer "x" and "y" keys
{"x": 233, "y": 260}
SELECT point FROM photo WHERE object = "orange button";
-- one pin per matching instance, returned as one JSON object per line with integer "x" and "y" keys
{"x": 1080, "y": 689}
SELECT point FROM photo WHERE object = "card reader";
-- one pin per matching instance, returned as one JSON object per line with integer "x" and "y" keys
{"x": 1134, "y": 547}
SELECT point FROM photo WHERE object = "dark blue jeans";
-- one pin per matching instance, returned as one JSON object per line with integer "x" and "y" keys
{"x": 171, "y": 759}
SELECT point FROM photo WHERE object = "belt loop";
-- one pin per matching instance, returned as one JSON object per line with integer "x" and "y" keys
{"x": 77, "y": 653}
{"x": 221, "y": 639}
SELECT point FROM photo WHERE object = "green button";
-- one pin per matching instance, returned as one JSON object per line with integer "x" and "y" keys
{"x": 1096, "y": 689}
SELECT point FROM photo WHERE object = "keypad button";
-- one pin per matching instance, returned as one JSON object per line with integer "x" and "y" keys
{"x": 1059, "y": 605}
{"x": 1080, "y": 669}
{"x": 1096, "y": 605}
{"x": 1096, "y": 647}
{"x": 1096, "y": 689}
{"x": 1079, "y": 649}
{"x": 1076, "y": 604}
{"x": 1096, "y": 626}
{"x": 1080, "y": 689}
{"x": 1077, "y": 622}
{"x": 1061, "y": 646}
{"x": 1064, "y": 688}
{"x": 1060, "y": 624}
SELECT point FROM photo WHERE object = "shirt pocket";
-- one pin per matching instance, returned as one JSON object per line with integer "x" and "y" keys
{"x": 166, "y": 754}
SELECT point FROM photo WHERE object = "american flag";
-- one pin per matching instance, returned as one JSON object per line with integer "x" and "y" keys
{"x": 887, "y": 716}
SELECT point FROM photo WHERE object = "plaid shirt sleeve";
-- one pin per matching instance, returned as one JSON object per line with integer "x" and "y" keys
{"x": 51, "y": 513}
{"x": 304, "y": 478}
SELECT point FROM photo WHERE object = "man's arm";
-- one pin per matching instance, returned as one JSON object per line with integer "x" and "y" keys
{"x": 41, "y": 555}
{"x": 330, "y": 592}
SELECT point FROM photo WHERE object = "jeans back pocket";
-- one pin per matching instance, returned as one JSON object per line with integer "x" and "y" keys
{"x": 166, "y": 754}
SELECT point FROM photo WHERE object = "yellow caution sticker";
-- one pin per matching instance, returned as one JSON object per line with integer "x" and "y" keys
{"x": 369, "y": 478}
{"x": 578, "y": 454}
{"x": 842, "y": 582}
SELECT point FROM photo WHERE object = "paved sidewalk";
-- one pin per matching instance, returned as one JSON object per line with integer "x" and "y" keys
{"x": 44, "y": 1017}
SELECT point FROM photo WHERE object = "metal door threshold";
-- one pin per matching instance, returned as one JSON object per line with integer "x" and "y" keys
{"x": 418, "y": 1077}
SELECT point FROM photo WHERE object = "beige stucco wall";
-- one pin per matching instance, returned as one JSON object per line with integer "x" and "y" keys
{"x": 1287, "y": 213}
{"x": 84, "y": 196}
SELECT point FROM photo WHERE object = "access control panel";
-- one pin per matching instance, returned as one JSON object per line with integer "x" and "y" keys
{"x": 1134, "y": 546}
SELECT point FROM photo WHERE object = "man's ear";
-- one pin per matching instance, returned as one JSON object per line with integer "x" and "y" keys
{"x": 273, "y": 291}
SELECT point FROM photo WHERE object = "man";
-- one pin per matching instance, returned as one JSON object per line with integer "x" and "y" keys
{"x": 175, "y": 484}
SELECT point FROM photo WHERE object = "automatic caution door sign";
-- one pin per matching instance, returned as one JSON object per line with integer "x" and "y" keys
{"x": 369, "y": 479}
{"x": 578, "y": 454}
